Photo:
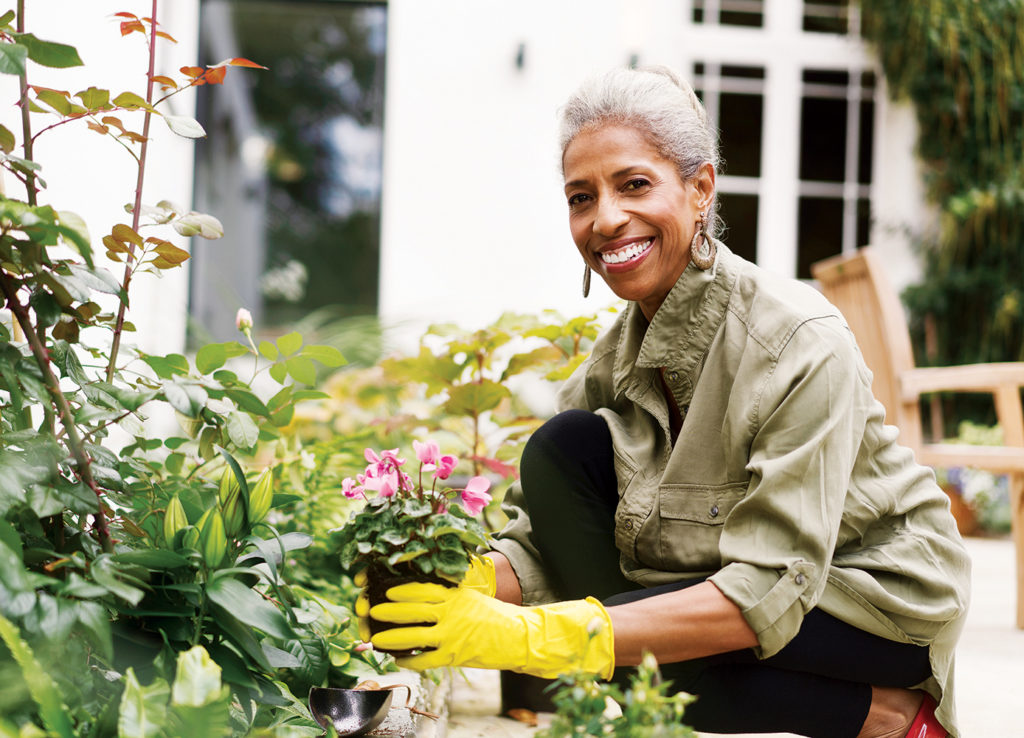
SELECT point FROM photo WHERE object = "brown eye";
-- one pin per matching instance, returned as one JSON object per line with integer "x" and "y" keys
{"x": 577, "y": 199}
{"x": 637, "y": 183}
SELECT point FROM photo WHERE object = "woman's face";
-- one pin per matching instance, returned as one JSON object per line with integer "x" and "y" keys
{"x": 631, "y": 215}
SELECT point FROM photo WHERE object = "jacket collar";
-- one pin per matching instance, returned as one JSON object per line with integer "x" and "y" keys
{"x": 681, "y": 331}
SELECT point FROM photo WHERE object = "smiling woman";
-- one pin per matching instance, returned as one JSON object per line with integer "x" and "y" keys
{"x": 738, "y": 507}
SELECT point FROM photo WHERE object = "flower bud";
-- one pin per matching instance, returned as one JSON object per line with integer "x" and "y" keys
{"x": 261, "y": 495}
{"x": 233, "y": 511}
{"x": 228, "y": 484}
{"x": 174, "y": 519}
{"x": 213, "y": 544}
{"x": 243, "y": 320}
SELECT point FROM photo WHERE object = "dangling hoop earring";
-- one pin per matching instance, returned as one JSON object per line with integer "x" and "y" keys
{"x": 702, "y": 248}
{"x": 586, "y": 280}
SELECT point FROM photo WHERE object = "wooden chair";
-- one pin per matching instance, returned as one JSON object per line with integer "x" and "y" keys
{"x": 857, "y": 285}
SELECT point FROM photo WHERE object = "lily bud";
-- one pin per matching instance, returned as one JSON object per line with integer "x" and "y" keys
{"x": 213, "y": 544}
{"x": 261, "y": 495}
{"x": 233, "y": 512}
{"x": 228, "y": 484}
{"x": 174, "y": 519}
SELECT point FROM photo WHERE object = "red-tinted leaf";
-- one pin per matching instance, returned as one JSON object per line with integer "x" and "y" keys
{"x": 125, "y": 234}
{"x": 114, "y": 245}
{"x": 131, "y": 26}
{"x": 133, "y": 136}
{"x": 240, "y": 62}
{"x": 166, "y": 82}
{"x": 507, "y": 471}
{"x": 192, "y": 72}
{"x": 97, "y": 127}
{"x": 167, "y": 36}
{"x": 110, "y": 120}
{"x": 215, "y": 75}
{"x": 126, "y": 14}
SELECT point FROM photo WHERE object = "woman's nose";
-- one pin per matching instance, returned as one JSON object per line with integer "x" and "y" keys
{"x": 610, "y": 217}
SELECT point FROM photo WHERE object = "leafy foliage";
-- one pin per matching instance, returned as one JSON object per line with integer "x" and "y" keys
{"x": 586, "y": 706}
{"x": 143, "y": 589}
{"x": 961, "y": 62}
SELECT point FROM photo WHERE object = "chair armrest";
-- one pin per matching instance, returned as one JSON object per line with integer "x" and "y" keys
{"x": 996, "y": 459}
{"x": 964, "y": 378}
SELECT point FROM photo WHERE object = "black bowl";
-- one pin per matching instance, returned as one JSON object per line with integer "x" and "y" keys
{"x": 350, "y": 711}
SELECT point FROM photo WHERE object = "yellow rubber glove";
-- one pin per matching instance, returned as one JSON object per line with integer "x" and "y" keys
{"x": 471, "y": 629}
{"x": 480, "y": 576}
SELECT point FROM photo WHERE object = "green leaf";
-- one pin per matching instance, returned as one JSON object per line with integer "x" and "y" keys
{"x": 197, "y": 681}
{"x": 242, "y": 430}
{"x": 213, "y": 355}
{"x": 49, "y": 53}
{"x": 131, "y": 101}
{"x": 267, "y": 349}
{"x": 40, "y": 685}
{"x": 143, "y": 712}
{"x": 279, "y": 372}
{"x": 12, "y": 58}
{"x": 311, "y": 653}
{"x": 249, "y": 607}
{"x": 289, "y": 343}
{"x": 188, "y": 399}
{"x": 475, "y": 397}
{"x": 105, "y": 572}
{"x": 301, "y": 369}
{"x": 326, "y": 355}
{"x": 152, "y": 558}
{"x": 46, "y": 306}
{"x": 247, "y": 401}
{"x": 55, "y": 99}
{"x": 94, "y": 98}
{"x": 7, "y": 140}
{"x": 168, "y": 366}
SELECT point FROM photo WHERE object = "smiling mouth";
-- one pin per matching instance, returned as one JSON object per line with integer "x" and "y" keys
{"x": 627, "y": 253}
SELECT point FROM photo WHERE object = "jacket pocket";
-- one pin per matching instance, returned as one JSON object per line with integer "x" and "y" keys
{"x": 691, "y": 519}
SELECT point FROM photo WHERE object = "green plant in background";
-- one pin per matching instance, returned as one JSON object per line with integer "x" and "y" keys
{"x": 961, "y": 63}
{"x": 148, "y": 582}
{"x": 585, "y": 706}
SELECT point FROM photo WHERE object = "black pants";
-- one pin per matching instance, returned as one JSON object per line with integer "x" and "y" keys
{"x": 818, "y": 685}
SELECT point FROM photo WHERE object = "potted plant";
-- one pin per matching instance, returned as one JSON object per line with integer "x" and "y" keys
{"x": 418, "y": 529}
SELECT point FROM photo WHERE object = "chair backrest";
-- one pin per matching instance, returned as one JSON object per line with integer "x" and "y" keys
{"x": 856, "y": 284}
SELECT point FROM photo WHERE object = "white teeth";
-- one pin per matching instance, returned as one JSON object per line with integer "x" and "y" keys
{"x": 630, "y": 252}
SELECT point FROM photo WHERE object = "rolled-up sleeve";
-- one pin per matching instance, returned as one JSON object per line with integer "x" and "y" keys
{"x": 516, "y": 544}
{"x": 777, "y": 542}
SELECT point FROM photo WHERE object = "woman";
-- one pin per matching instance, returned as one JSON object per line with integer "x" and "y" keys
{"x": 719, "y": 487}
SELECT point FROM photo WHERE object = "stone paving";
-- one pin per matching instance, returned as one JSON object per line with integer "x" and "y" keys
{"x": 990, "y": 666}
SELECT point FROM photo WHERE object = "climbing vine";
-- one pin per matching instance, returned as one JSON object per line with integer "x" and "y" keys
{"x": 961, "y": 63}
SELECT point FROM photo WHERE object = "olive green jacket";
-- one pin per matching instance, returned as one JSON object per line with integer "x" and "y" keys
{"x": 784, "y": 484}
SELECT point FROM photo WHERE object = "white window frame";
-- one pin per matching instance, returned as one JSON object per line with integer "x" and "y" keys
{"x": 785, "y": 50}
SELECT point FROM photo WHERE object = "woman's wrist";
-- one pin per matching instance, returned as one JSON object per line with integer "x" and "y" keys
{"x": 507, "y": 583}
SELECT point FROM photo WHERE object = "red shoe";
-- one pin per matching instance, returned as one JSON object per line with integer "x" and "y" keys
{"x": 925, "y": 725}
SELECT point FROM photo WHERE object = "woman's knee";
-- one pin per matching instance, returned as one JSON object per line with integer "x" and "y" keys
{"x": 569, "y": 434}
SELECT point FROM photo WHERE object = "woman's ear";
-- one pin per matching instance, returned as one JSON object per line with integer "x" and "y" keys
{"x": 704, "y": 182}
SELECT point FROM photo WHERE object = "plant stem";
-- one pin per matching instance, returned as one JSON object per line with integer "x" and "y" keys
{"x": 137, "y": 210}
{"x": 75, "y": 443}
{"x": 26, "y": 127}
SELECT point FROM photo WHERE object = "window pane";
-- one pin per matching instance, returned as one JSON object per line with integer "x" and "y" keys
{"x": 749, "y": 13}
{"x": 863, "y": 222}
{"x": 822, "y": 139}
{"x": 740, "y": 120}
{"x": 739, "y": 218}
{"x": 819, "y": 231}
{"x": 827, "y": 16}
{"x": 295, "y": 172}
{"x": 867, "y": 140}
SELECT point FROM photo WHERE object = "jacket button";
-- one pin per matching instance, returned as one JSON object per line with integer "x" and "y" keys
{"x": 628, "y": 525}
{"x": 800, "y": 579}
{"x": 714, "y": 511}
{"x": 673, "y": 376}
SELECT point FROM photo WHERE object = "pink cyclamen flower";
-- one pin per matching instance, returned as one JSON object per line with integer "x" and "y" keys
{"x": 350, "y": 489}
{"x": 445, "y": 466}
{"x": 428, "y": 452}
{"x": 475, "y": 496}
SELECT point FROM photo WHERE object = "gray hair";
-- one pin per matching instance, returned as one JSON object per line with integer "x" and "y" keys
{"x": 657, "y": 102}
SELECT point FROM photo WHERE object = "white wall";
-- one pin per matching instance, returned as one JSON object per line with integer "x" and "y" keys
{"x": 474, "y": 217}
{"x": 93, "y": 176}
